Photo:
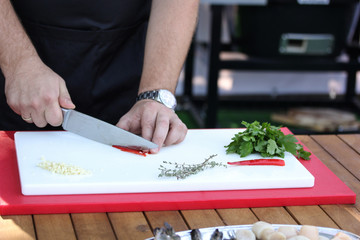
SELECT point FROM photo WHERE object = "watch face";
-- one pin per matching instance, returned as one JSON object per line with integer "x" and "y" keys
{"x": 167, "y": 98}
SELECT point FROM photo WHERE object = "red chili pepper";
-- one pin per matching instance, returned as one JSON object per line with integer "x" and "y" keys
{"x": 262, "y": 161}
{"x": 125, "y": 149}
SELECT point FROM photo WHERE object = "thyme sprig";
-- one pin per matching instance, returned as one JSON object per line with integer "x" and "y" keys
{"x": 183, "y": 170}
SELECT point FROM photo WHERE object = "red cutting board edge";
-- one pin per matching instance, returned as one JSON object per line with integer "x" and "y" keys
{"x": 328, "y": 189}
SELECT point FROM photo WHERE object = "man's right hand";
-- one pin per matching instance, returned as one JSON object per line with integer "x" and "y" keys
{"x": 36, "y": 93}
{"x": 32, "y": 89}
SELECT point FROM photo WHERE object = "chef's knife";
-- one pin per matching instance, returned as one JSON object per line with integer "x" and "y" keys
{"x": 103, "y": 132}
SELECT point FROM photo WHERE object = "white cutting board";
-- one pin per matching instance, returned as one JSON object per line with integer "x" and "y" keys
{"x": 115, "y": 171}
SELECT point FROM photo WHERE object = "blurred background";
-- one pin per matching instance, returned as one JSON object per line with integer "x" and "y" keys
{"x": 293, "y": 63}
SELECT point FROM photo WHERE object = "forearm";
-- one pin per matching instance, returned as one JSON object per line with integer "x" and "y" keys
{"x": 171, "y": 27}
{"x": 15, "y": 45}
{"x": 32, "y": 89}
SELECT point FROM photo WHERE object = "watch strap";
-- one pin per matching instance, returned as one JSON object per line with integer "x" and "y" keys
{"x": 162, "y": 96}
{"x": 148, "y": 95}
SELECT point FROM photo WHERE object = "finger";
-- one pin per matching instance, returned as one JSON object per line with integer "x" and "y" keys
{"x": 129, "y": 124}
{"x": 147, "y": 124}
{"x": 38, "y": 118}
{"x": 160, "y": 132}
{"x": 53, "y": 115}
{"x": 27, "y": 119}
{"x": 124, "y": 123}
{"x": 46, "y": 109}
{"x": 14, "y": 105}
{"x": 177, "y": 132}
{"x": 64, "y": 97}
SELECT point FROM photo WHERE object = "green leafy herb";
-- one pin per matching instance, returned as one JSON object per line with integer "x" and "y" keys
{"x": 267, "y": 140}
{"x": 184, "y": 170}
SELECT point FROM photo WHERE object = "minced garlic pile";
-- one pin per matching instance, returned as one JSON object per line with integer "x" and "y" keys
{"x": 62, "y": 168}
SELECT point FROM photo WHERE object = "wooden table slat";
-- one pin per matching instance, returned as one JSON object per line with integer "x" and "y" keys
{"x": 92, "y": 226}
{"x": 130, "y": 225}
{"x": 202, "y": 218}
{"x": 174, "y": 218}
{"x": 19, "y": 227}
{"x": 274, "y": 215}
{"x": 54, "y": 226}
{"x": 352, "y": 140}
{"x": 311, "y": 215}
{"x": 346, "y": 216}
{"x": 341, "y": 152}
{"x": 347, "y": 177}
{"x": 237, "y": 216}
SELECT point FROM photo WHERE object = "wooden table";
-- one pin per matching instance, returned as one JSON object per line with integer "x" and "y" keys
{"x": 341, "y": 153}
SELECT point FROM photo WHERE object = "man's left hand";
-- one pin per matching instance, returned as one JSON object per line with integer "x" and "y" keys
{"x": 155, "y": 122}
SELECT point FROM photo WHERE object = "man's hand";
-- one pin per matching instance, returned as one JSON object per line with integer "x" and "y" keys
{"x": 154, "y": 122}
{"x": 170, "y": 30}
{"x": 36, "y": 93}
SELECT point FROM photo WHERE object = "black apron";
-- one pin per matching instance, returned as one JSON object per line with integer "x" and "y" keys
{"x": 97, "y": 47}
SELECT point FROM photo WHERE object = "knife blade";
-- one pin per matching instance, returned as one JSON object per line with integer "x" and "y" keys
{"x": 100, "y": 131}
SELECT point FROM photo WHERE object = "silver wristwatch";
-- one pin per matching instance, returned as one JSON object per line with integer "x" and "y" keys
{"x": 161, "y": 95}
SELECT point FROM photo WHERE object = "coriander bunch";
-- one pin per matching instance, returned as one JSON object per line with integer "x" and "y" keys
{"x": 267, "y": 140}
{"x": 183, "y": 170}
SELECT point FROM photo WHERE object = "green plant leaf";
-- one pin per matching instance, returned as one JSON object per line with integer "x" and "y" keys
{"x": 265, "y": 139}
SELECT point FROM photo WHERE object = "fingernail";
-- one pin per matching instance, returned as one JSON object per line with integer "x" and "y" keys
{"x": 155, "y": 150}
{"x": 68, "y": 101}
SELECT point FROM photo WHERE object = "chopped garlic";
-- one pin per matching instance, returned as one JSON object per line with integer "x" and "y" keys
{"x": 62, "y": 168}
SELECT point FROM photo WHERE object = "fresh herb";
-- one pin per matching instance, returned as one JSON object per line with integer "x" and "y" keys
{"x": 181, "y": 171}
{"x": 267, "y": 140}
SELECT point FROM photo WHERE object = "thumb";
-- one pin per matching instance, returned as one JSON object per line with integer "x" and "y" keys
{"x": 64, "y": 97}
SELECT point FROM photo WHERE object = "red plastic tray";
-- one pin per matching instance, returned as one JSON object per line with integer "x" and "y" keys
{"x": 328, "y": 189}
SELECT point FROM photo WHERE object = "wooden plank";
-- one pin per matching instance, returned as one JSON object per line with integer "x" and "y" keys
{"x": 274, "y": 215}
{"x": 130, "y": 225}
{"x": 311, "y": 215}
{"x": 202, "y": 218}
{"x": 346, "y": 216}
{"x": 19, "y": 227}
{"x": 92, "y": 226}
{"x": 237, "y": 216}
{"x": 353, "y": 140}
{"x": 348, "y": 157}
{"x": 337, "y": 168}
{"x": 174, "y": 218}
{"x": 54, "y": 226}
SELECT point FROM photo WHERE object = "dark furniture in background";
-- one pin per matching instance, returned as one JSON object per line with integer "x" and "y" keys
{"x": 302, "y": 35}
